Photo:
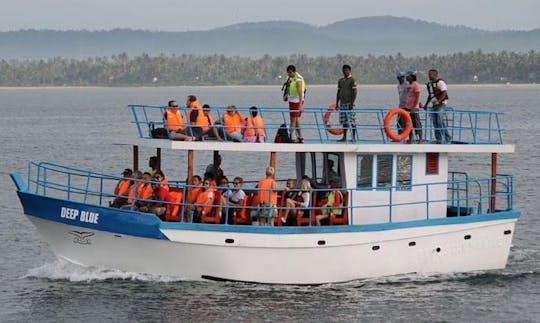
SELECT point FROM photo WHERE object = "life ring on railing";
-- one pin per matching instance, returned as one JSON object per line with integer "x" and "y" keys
{"x": 327, "y": 124}
{"x": 388, "y": 120}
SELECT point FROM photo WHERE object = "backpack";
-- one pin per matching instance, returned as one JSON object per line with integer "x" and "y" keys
{"x": 282, "y": 135}
{"x": 285, "y": 90}
{"x": 158, "y": 133}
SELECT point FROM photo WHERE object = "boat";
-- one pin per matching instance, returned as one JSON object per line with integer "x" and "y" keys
{"x": 406, "y": 209}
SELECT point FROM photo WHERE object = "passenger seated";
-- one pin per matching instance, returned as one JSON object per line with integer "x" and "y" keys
{"x": 160, "y": 195}
{"x": 174, "y": 121}
{"x": 232, "y": 123}
{"x": 334, "y": 203}
{"x": 205, "y": 201}
{"x": 254, "y": 127}
{"x": 236, "y": 199}
{"x": 208, "y": 126}
{"x": 121, "y": 191}
{"x": 300, "y": 202}
{"x": 133, "y": 189}
{"x": 145, "y": 193}
{"x": 267, "y": 196}
{"x": 195, "y": 188}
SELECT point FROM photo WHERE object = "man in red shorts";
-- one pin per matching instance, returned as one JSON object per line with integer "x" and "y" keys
{"x": 297, "y": 88}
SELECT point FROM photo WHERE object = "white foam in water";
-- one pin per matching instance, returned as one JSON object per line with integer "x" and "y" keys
{"x": 63, "y": 270}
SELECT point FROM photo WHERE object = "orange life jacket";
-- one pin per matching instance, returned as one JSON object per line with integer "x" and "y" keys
{"x": 133, "y": 189}
{"x": 195, "y": 191}
{"x": 174, "y": 119}
{"x": 206, "y": 200}
{"x": 254, "y": 126}
{"x": 123, "y": 187}
{"x": 232, "y": 123}
{"x": 145, "y": 192}
{"x": 201, "y": 120}
{"x": 164, "y": 183}
{"x": 267, "y": 191}
{"x": 172, "y": 209}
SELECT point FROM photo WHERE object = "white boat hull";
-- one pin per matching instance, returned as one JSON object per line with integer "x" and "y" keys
{"x": 300, "y": 258}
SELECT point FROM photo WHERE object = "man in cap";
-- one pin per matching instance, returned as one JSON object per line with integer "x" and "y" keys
{"x": 413, "y": 105}
{"x": 121, "y": 191}
{"x": 439, "y": 101}
{"x": 402, "y": 88}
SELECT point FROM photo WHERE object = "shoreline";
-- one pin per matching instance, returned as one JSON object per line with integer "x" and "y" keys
{"x": 243, "y": 86}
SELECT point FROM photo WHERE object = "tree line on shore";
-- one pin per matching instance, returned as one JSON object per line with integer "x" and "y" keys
{"x": 162, "y": 70}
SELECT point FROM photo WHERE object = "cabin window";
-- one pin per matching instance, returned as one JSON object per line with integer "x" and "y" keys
{"x": 384, "y": 171}
{"x": 432, "y": 163}
{"x": 333, "y": 168}
{"x": 364, "y": 171}
{"x": 404, "y": 173}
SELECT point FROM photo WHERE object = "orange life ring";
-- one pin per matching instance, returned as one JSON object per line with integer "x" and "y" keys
{"x": 388, "y": 120}
{"x": 327, "y": 124}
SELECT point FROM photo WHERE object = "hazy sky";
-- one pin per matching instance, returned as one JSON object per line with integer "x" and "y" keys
{"x": 181, "y": 15}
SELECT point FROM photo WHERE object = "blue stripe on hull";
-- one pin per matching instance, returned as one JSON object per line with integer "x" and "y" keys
{"x": 109, "y": 219}
{"x": 148, "y": 225}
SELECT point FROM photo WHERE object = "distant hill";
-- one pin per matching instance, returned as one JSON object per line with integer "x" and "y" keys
{"x": 385, "y": 35}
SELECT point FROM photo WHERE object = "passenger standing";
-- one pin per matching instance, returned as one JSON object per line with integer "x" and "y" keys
{"x": 402, "y": 88}
{"x": 215, "y": 169}
{"x": 297, "y": 88}
{"x": 413, "y": 105}
{"x": 267, "y": 196}
{"x": 153, "y": 164}
{"x": 438, "y": 110}
{"x": 345, "y": 97}
{"x": 254, "y": 127}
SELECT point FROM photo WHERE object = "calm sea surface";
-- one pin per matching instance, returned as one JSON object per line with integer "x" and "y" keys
{"x": 78, "y": 126}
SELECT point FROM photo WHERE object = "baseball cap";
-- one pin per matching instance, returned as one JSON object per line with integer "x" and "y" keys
{"x": 410, "y": 72}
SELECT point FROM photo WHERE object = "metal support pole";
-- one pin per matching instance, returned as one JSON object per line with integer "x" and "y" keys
{"x": 135, "y": 157}
{"x": 158, "y": 155}
{"x": 273, "y": 161}
{"x": 493, "y": 182}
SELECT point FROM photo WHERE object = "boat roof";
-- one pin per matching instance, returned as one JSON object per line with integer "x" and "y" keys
{"x": 318, "y": 147}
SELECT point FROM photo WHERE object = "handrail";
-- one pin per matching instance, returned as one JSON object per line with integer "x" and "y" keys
{"x": 69, "y": 183}
{"x": 466, "y": 127}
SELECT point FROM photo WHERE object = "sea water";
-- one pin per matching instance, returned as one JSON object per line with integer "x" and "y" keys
{"x": 80, "y": 126}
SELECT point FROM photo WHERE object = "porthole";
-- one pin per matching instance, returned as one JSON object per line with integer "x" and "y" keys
{"x": 375, "y": 248}
{"x": 321, "y": 242}
{"x": 229, "y": 240}
{"x": 506, "y": 232}
{"x": 467, "y": 237}
{"x": 438, "y": 249}
{"x": 412, "y": 244}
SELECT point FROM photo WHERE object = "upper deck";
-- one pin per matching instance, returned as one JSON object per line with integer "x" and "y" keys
{"x": 471, "y": 131}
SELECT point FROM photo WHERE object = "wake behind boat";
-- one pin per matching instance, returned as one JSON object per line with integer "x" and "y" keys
{"x": 402, "y": 208}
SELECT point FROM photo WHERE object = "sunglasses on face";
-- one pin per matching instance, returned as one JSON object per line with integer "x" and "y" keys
{"x": 174, "y": 106}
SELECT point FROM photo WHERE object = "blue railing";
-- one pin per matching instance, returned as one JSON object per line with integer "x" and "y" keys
{"x": 465, "y": 196}
{"x": 465, "y": 127}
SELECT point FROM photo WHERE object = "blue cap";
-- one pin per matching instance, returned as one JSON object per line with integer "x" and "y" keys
{"x": 400, "y": 74}
{"x": 410, "y": 73}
